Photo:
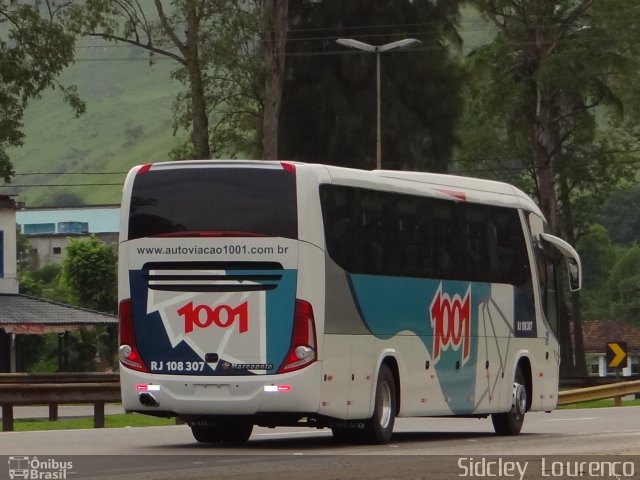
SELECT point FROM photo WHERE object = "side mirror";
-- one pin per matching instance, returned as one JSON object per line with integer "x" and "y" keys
{"x": 573, "y": 260}
{"x": 575, "y": 275}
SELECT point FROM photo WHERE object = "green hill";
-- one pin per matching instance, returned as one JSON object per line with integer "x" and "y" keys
{"x": 128, "y": 121}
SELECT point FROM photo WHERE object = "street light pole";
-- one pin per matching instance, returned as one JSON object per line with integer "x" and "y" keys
{"x": 378, "y": 115}
{"x": 377, "y": 49}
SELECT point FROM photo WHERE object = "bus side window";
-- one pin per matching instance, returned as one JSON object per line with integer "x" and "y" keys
{"x": 341, "y": 229}
{"x": 391, "y": 236}
{"x": 513, "y": 262}
{"x": 441, "y": 253}
{"x": 477, "y": 224}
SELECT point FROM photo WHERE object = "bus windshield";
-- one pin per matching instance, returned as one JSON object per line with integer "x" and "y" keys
{"x": 213, "y": 202}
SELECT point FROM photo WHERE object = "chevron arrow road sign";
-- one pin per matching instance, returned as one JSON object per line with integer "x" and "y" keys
{"x": 617, "y": 354}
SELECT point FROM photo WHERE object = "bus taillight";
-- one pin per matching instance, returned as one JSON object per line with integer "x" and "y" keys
{"x": 302, "y": 350}
{"x": 144, "y": 169}
{"x": 128, "y": 351}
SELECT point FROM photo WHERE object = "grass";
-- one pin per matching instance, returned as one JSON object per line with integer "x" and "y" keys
{"x": 111, "y": 421}
{"x": 601, "y": 404}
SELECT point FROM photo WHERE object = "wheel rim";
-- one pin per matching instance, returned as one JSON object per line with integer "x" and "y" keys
{"x": 384, "y": 400}
{"x": 520, "y": 399}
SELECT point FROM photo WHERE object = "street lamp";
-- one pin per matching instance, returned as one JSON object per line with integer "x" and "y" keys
{"x": 377, "y": 49}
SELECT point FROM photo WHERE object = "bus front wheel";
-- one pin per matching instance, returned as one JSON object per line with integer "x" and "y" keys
{"x": 510, "y": 423}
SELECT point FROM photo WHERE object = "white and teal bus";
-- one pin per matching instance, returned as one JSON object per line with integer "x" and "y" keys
{"x": 281, "y": 293}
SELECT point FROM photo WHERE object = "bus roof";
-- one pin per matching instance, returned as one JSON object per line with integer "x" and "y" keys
{"x": 477, "y": 189}
{"x": 438, "y": 185}
{"x": 433, "y": 184}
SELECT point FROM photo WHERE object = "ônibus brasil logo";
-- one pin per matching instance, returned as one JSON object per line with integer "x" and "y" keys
{"x": 451, "y": 323}
{"x": 223, "y": 316}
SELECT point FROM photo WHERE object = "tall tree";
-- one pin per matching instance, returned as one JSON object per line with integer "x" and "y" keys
{"x": 229, "y": 56}
{"x": 329, "y": 101}
{"x": 34, "y": 50}
{"x": 540, "y": 82}
{"x": 274, "y": 38}
{"x": 177, "y": 34}
{"x": 555, "y": 62}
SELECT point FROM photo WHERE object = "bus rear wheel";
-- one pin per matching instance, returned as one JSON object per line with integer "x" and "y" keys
{"x": 510, "y": 423}
{"x": 231, "y": 432}
{"x": 378, "y": 428}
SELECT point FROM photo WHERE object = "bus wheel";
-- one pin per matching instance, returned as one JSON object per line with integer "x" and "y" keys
{"x": 510, "y": 423}
{"x": 379, "y": 427}
{"x": 237, "y": 432}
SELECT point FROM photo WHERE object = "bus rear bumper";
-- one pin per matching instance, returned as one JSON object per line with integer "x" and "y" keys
{"x": 222, "y": 395}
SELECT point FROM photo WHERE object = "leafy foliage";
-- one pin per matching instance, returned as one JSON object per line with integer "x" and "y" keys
{"x": 44, "y": 282}
{"x": 620, "y": 215}
{"x": 611, "y": 279}
{"x": 216, "y": 49}
{"x": 569, "y": 58}
{"x": 548, "y": 91}
{"x": 597, "y": 254}
{"x": 34, "y": 49}
{"x": 624, "y": 284}
{"x": 89, "y": 271}
{"x": 87, "y": 278}
{"x": 329, "y": 100}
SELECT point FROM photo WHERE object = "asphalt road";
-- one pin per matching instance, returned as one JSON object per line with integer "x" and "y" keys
{"x": 420, "y": 449}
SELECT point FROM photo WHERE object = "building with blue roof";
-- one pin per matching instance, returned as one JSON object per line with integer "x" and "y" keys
{"x": 50, "y": 228}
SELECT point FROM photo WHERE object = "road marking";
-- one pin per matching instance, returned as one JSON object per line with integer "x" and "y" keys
{"x": 278, "y": 434}
{"x": 570, "y": 419}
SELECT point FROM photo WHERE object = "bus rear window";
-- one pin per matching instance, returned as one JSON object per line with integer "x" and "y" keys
{"x": 214, "y": 201}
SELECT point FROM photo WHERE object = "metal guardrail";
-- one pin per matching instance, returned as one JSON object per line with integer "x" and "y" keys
{"x": 53, "y": 389}
{"x": 592, "y": 381}
{"x": 71, "y": 377}
{"x": 600, "y": 392}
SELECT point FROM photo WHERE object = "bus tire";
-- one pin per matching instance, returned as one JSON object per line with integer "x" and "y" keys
{"x": 236, "y": 433}
{"x": 379, "y": 428}
{"x": 510, "y": 423}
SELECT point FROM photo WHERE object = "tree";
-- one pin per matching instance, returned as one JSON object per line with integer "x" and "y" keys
{"x": 274, "y": 37}
{"x": 232, "y": 85}
{"x": 177, "y": 35}
{"x": 539, "y": 84}
{"x": 597, "y": 255}
{"x": 620, "y": 215}
{"x": 87, "y": 278}
{"x": 537, "y": 89}
{"x": 89, "y": 272}
{"x": 624, "y": 285}
{"x": 34, "y": 50}
{"x": 329, "y": 99}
